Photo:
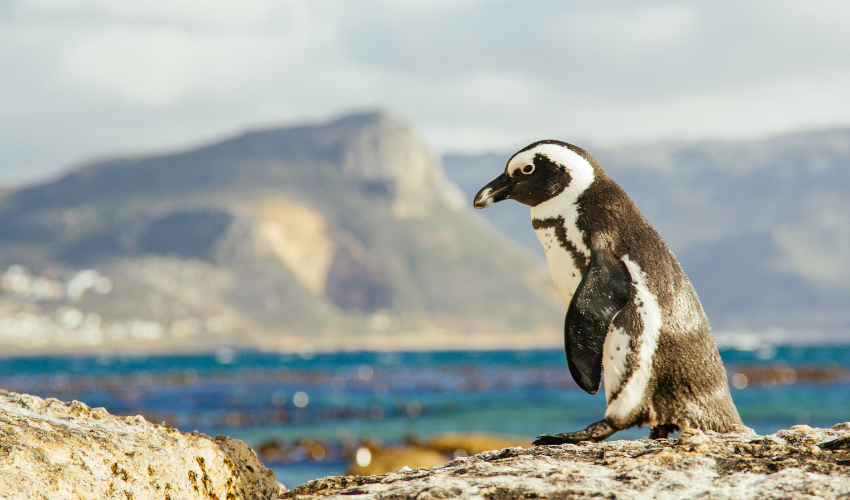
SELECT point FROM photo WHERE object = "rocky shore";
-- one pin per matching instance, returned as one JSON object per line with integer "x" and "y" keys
{"x": 51, "y": 449}
{"x": 792, "y": 464}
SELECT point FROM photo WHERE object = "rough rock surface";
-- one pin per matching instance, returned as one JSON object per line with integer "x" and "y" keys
{"x": 56, "y": 450}
{"x": 799, "y": 463}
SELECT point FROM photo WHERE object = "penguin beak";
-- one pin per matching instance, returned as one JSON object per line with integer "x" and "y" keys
{"x": 499, "y": 189}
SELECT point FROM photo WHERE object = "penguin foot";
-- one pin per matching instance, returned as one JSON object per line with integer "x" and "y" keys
{"x": 662, "y": 431}
{"x": 596, "y": 431}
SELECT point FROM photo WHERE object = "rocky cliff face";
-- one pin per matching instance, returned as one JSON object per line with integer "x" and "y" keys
{"x": 51, "y": 449}
{"x": 379, "y": 149}
{"x": 801, "y": 463}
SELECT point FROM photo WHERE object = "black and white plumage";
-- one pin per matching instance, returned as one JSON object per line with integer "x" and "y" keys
{"x": 631, "y": 311}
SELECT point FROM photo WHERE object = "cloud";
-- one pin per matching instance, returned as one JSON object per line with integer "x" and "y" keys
{"x": 89, "y": 78}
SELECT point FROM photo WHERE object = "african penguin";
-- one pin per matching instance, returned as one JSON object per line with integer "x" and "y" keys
{"x": 632, "y": 314}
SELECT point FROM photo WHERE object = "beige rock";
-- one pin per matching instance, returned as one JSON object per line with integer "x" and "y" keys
{"x": 56, "y": 450}
{"x": 799, "y": 463}
{"x": 694, "y": 440}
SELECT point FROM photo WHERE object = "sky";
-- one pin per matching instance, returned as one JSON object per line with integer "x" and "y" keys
{"x": 93, "y": 79}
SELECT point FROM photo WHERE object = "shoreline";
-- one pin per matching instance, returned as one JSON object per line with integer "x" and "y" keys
{"x": 427, "y": 341}
{"x": 372, "y": 342}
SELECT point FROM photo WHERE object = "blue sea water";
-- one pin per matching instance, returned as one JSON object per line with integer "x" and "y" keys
{"x": 341, "y": 398}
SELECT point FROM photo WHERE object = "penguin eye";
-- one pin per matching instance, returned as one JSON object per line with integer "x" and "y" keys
{"x": 528, "y": 169}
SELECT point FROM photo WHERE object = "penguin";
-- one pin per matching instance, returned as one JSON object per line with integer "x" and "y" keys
{"x": 632, "y": 313}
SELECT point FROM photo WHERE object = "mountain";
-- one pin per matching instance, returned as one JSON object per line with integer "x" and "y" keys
{"x": 320, "y": 231}
{"x": 762, "y": 228}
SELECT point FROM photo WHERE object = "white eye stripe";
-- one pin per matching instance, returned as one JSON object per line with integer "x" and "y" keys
{"x": 528, "y": 169}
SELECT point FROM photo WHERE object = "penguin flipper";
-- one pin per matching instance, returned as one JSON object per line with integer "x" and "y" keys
{"x": 603, "y": 292}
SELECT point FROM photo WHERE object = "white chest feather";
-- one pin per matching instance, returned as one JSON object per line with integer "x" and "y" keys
{"x": 562, "y": 241}
{"x": 565, "y": 274}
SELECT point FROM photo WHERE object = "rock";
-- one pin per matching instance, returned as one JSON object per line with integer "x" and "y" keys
{"x": 802, "y": 462}
{"x": 52, "y": 449}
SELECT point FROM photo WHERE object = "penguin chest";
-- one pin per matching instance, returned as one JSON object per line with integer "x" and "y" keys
{"x": 561, "y": 260}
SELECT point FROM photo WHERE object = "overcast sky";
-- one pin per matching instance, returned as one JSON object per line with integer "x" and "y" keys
{"x": 81, "y": 80}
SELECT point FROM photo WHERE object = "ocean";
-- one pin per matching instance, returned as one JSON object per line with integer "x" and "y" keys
{"x": 305, "y": 413}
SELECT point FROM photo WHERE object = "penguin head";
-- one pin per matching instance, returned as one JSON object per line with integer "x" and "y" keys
{"x": 540, "y": 172}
